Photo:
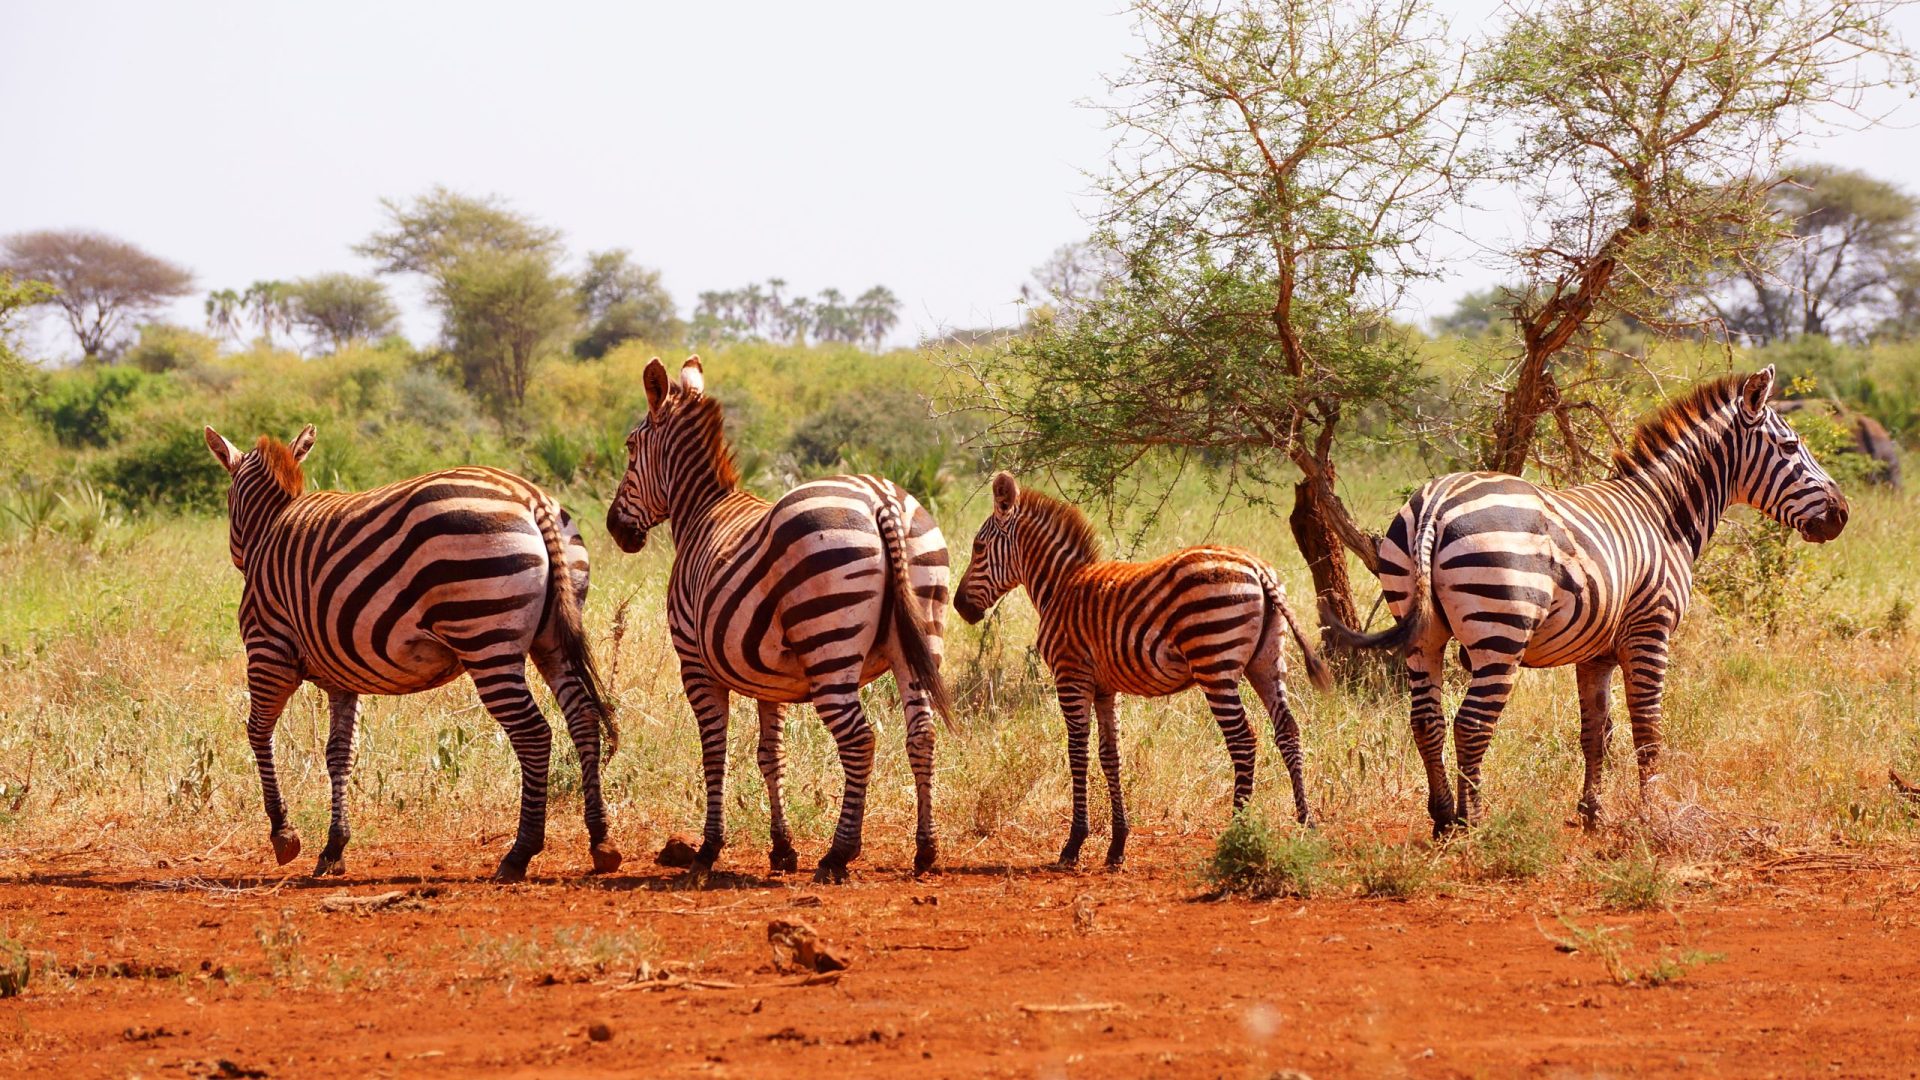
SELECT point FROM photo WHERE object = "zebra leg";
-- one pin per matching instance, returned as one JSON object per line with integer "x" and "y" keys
{"x": 1425, "y": 664}
{"x": 839, "y": 709}
{"x": 711, "y": 703}
{"x": 583, "y": 728}
{"x": 1646, "y": 673}
{"x": 270, "y": 685}
{"x": 502, "y": 684}
{"x": 926, "y": 848}
{"x": 343, "y": 720}
{"x": 1074, "y": 700}
{"x": 1286, "y": 736}
{"x": 1223, "y": 697}
{"x": 773, "y": 768}
{"x": 1595, "y": 678}
{"x": 1473, "y": 725}
{"x": 1110, "y": 764}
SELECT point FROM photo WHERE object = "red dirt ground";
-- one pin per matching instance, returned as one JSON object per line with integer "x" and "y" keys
{"x": 979, "y": 971}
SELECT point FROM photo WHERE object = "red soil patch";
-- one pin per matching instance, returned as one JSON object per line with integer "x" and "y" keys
{"x": 982, "y": 970}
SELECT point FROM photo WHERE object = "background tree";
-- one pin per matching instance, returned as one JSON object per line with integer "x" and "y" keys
{"x": 16, "y": 297}
{"x": 877, "y": 311}
{"x": 1848, "y": 248}
{"x": 342, "y": 309}
{"x": 1076, "y": 274}
{"x": 492, "y": 273}
{"x": 618, "y": 301}
{"x": 755, "y": 313}
{"x": 226, "y": 313}
{"x": 270, "y": 304}
{"x": 1644, "y": 138}
{"x": 104, "y": 286}
{"x": 1275, "y": 167}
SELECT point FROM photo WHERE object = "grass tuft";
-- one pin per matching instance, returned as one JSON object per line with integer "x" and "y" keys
{"x": 1251, "y": 859}
{"x": 1634, "y": 881}
{"x": 1610, "y": 945}
{"x": 1392, "y": 871}
{"x": 1514, "y": 844}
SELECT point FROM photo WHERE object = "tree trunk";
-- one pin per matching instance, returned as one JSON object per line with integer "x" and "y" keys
{"x": 1326, "y": 559}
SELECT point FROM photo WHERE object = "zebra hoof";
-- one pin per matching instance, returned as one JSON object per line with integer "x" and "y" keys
{"x": 606, "y": 857}
{"x": 331, "y": 866}
{"x": 831, "y": 871}
{"x": 286, "y": 846}
{"x": 783, "y": 859}
{"x": 511, "y": 872}
{"x": 924, "y": 858}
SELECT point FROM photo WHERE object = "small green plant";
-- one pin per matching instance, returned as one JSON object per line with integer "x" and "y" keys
{"x": 16, "y": 965}
{"x": 450, "y": 747}
{"x": 1250, "y": 859}
{"x": 566, "y": 952}
{"x": 1513, "y": 844}
{"x": 1635, "y": 881}
{"x": 1610, "y": 944}
{"x": 280, "y": 943}
{"x": 1392, "y": 871}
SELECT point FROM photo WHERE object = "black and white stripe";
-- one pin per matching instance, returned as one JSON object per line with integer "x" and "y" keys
{"x": 804, "y": 599}
{"x": 1597, "y": 576}
{"x": 401, "y": 589}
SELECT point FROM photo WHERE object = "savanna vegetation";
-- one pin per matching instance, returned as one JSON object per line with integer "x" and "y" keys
{"x": 1225, "y": 360}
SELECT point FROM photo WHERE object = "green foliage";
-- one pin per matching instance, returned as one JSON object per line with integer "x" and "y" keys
{"x": 618, "y": 302}
{"x": 1634, "y": 881}
{"x": 1392, "y": 871}
{"x": 757, "y": 313}
{"x": 166, "y": 466}
{"x": 1250, "y": 859}
{"x": 1610, "y": 944}
{"x": 163, "y": 348}
{"x": 90, "y": 407}
{"x": 342, "y": 309}
{"x": 1757, "y": 572}
{"x": 870, "y": 422}
{"x": 1515, "y": 843}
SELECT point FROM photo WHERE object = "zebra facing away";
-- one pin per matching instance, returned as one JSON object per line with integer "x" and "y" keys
{"x": 1205, "y": 616}
{"x": 401, "y": 589}
{"x": 805, "y": 599}
{"x": 1597, "y": 576}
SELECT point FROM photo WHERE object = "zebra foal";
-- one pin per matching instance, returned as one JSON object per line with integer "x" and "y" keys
{"x": 1202, "y": 616}
{"x": 1597, "y": 576}
{"x": 402, "y": 589}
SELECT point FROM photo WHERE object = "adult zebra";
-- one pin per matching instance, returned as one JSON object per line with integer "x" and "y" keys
{"x": 1597, "y": 576}
{"x": 401, "y": 589}
{"x": 805, "y": 599}
{"x": 1205, "y": 616}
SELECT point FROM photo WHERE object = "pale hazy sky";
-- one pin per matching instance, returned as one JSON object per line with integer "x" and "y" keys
{"x": 937, "y": 149}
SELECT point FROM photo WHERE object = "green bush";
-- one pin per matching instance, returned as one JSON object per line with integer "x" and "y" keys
{"x": 163, "y": 348}
{"x": 1250, "y": 859}
{"x": 1513, "y": 844}
{"x": 1392, "y": 871}
{"x": 169, "y": 466}
{"x": 88, "y": 407}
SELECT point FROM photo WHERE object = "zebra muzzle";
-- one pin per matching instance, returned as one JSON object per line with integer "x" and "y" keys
{"x": 1827, "y": 525}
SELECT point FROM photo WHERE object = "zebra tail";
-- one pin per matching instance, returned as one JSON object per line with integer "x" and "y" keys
{"x": 1317, "y": 672}
{"x": 563, "y": 604}
{"x": 908, "y": 627}
{"x": 1406, "y": 630}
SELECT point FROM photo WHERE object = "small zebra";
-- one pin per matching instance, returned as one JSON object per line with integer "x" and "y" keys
{"x": 805, "y": 599}
{"x": 1597, "y": 576}
{"x": 402, "y": 589}
{"x": 1205, "y": 616}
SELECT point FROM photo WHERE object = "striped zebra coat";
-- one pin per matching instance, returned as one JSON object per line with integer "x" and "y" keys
{"x": 806, "y": 599}
{"x": 1202, "y": 616}
{"x": 401, "y": 589}
{"x": 1597, "y": 576}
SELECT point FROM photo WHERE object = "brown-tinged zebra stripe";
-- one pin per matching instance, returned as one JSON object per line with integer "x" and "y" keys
{"x": 1202, "y": 616}
{"x": 401, "y": 589}
{"x": 1597, "y": 576}
{"x": 805, "y": 599}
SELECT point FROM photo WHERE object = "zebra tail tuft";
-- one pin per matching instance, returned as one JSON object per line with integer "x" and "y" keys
{"x": 908, "y": 628}
{"x": 1404, "y": 629}
{"x": 1317, "y": 671}
{"x": 570, "y": 630}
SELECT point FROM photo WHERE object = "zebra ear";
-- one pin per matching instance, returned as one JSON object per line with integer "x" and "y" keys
{"x": 1005, "y": 490}
{"x": 302, "y": 443}
{"x": 223, "y": 451}
{"x": 693, "y": 376}
{"x": 654, "y": 379}
{"x": 1755, "y": 392}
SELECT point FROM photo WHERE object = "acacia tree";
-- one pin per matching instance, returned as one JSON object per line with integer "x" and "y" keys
{"x": 1850, "y": 245}
{"x": 1645, "y": 137}
{"x": 103, "y": 285}
{"x": 270, "y": 303}
{"x": 618, "y": 301}
{"x": 341, "y": 309}
{"x": 1276, "y": 167}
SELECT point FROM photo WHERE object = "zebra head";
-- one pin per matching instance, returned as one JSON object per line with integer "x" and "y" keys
{"x": 656, "y": 452}
{"x": 1776, "y": 472}
{"x": 993, "y": 570}
{"x": 264, "y": 480}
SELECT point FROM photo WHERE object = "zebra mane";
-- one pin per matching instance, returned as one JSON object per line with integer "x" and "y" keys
{"x": 706, "y": 425}
{"x": 1062, "y": 520}
{"x": 1673, "y": 421}
{"x": 278, "y": 459}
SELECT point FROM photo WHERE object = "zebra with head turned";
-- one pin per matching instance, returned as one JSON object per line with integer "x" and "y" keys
{"x": 805, "y": 599}
{"x": 401, "y": 589}
{"x": 1597, "y": 576}
{"x": 1205, "y": 616}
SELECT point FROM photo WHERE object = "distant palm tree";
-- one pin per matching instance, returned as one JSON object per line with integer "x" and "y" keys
{"x": 271, "y": 304}
{"x": 226, "y": 312}
{"x": 878, "y": 312}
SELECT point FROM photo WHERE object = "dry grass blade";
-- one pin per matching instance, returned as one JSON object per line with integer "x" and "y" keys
{"x": 1079, "y": 1007}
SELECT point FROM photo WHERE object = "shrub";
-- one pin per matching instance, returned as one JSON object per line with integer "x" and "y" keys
{"x": 871, "y": 422}
{"x": 1513, "y": 844}
{"x": 171, "y": 348}
{"x": 1635, "y": 881}
{"x": 169, "y": 467}
{"x": 88, "y": 407}
{"x": 1250, "y": 859}
{"x": 1392, "y": 871}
